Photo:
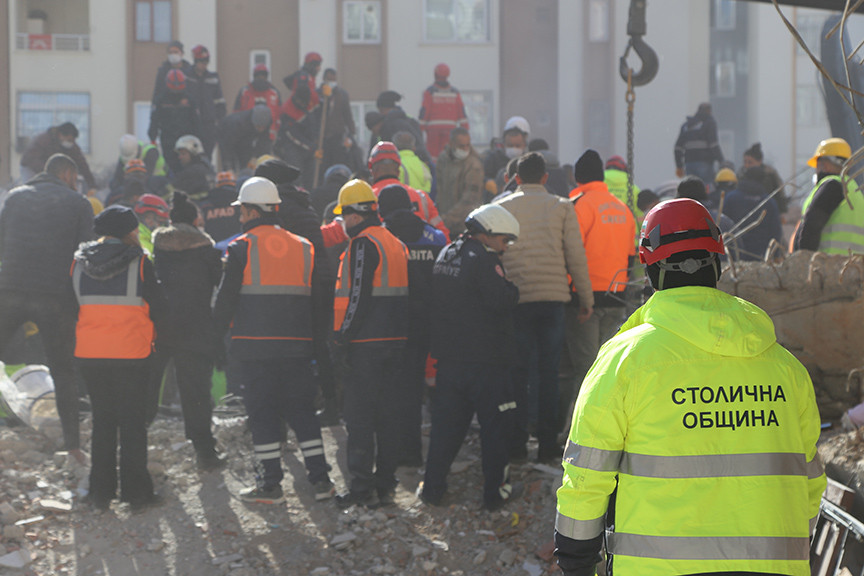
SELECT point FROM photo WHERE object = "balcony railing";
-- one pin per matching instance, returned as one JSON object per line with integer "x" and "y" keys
{"x": 67, "y": 42}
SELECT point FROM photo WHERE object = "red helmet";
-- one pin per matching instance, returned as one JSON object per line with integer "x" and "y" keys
{"x": 175, "y": 80}
{"x": 199, "y": 52}
{"x": 678, "y": 226}
{"x": 259, "y": 68}
{"x": 312, "y": 57}
{"x": 442, "y": 71}
{"x": 152, "y": 203}
{"x": 384, "y": 151}
{"x": 616, "y": 163}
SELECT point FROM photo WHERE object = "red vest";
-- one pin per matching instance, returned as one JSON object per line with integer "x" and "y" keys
{"x": 113, "y": 319}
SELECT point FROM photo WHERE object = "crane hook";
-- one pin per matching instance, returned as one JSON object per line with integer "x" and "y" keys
{"x": 636, "y": 28}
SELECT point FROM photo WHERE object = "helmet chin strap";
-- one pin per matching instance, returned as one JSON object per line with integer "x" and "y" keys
{"x": 688, "y": 266}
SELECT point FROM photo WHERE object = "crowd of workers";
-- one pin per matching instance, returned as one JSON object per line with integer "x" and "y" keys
{"x": 501, "y": 282}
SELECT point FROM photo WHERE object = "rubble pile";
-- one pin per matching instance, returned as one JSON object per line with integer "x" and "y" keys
{"x": 203, "y": 529}
{"x": 816, "y": 302}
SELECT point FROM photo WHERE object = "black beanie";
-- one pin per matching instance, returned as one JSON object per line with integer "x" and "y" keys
{"x": 277, "y": 171}
{"x": 755, "y": 152}
{"x": 589, "y": 168}
{"x": 116, "y": 221}
{"x": 692, "y": 187}
{"x": 393, "y": 197}
{"x": 183, "y": 211}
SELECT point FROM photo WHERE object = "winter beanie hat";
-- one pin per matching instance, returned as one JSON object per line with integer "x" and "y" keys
{"x": 589, "y": 168}
{"x": 116, "y": 221}
{"x": 755, "y": 152}
{"x": 182, "y": 211}
{"x": 277, "y": 171}
{"x": 393, "y": 197}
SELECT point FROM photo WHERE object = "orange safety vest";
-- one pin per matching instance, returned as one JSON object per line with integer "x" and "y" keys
{"x": 608, "y": 229}
{"x": 275, "y": 305}
{"x": 387, "y": 318}
{"x": 113, "y": 319}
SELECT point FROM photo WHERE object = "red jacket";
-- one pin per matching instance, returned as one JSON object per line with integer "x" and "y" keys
{"x": 424, "y": 208}
{"x": 248, "y": 97}
{"x": 441, "y": 112}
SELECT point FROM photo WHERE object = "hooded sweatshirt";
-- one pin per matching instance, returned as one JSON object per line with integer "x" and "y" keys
{"x": 708, "y": 427}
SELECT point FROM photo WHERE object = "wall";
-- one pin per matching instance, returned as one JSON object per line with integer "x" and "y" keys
{"x": 5, "y": 94}
{"x": 104, "y": 66}
{"x": 571, "y": 141}
{"x": 196, "y": 24}
{"x": 319, "y": 18}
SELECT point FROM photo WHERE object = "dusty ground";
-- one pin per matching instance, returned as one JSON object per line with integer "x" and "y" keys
{"x": 203, "y": 529}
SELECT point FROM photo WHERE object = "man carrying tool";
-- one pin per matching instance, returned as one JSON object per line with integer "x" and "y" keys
{"x": 703, "y": 426}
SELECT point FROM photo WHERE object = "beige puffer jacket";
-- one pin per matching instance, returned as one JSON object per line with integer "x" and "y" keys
{"x": 549, "y": 247}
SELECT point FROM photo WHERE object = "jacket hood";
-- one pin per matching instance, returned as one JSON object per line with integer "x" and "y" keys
{"x": 708, "y": 319}
{"x": 405, "y": 225}
{"x": 293, "y": 194}
{"x": 104, "y": 259}
{"x": 180, "y": 237}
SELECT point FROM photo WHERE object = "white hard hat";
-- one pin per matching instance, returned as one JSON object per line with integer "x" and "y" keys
{"x": 190, "y": 143}
{"x": 128, "y": 147}
{"x": 517, "y": 123}
{"x": 492, "y": 219}
{"x": 259, "y": 191}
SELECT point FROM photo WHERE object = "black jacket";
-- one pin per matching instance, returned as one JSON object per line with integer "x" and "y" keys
{"x": 221, "y": 220}
{"x": 697, "y": 141}
{"x": 239, "y": 142}
{"x": 195, "y": 179}
{"x": 208, "y": 94}
{"x": 472, "y": 314}
{"x": 41, "y": 225}
{"x": 396, "y": 121}
{"x": 424, "y": 243}
{"x": 189, "y": 268}
{"x": 738, "y": 203}
{"x": 827, "y": 198}
{"x": 159, "y": 87}
{"x": 175, "y": 116}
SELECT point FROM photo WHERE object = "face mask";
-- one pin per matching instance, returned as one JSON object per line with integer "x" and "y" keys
{"x": 460, "y": 154}
{"x": 332, "y": 84}
{"x": 513, "y": 152}
{"x": 344, "y": 227}
{"x": 67, "y": 144}
{"x": 174, "y": 58}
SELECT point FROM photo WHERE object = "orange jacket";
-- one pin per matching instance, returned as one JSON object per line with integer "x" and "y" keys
{"x": 424, "y": 207}
{"x": 387, "y": 317}
{"x": 276, "y": 295}
{"x": 608, "y": 229}
{"x": 113, "y": 318}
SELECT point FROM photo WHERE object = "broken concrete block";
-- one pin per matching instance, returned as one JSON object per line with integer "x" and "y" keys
{"x": 18, "y": 559}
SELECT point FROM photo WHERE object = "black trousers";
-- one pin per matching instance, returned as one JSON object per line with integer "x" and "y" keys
{"x": 194, "y": 381}
{"x": 461, "y": 390}
{"x": 373, "y": 389}
{"x": 277, "y": 391}
{"x": 55, "y": 315}
{"x": 118, "y": 389}
{"x": 411, "y": 416}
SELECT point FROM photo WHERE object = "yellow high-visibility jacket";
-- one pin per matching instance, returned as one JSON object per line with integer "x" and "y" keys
{"x": 709, "y": 428}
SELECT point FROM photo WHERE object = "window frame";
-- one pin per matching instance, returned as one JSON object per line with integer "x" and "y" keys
{"x": 720, "y": 21}
{"x": 489, "y": 95}
{"x": 363, "y": 4}
{"x": 721, "y": 90}
{"x": 487, "y": 25}
{"x": 267, "y": 61}
{"x": 84, "y": 139}
{"x": 363, "y": 134}
{"x": 151, "y": 39}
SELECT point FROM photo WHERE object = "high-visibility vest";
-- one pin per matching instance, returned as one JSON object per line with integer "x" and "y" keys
{"x": 113, "y": 318}
{"x": 387, "y": 317}
{"x": 708, "y": 429}
{"x": 607, "y": 229}
{"x": 159, "y": 168}
{"x": 274, "y": 312}
{"x": 844, "y": 230}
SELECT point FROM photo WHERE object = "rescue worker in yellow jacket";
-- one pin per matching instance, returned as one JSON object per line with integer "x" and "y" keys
{"x": 699, "y": 421}
{"x": 832, "y": 216}
{"x": 371, "y": 331}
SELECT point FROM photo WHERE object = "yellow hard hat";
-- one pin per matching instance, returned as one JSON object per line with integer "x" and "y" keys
{"x": 725, "y": 175}
{"x": 96, "y": 205}
{"x": 358, "y": 195}
{"x": 836, "y": 147}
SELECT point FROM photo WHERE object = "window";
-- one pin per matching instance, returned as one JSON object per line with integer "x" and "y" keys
{"x": 361, "y": 22}
{"x": 141, "y": 112}
{"x": 358, "y": 111}
{"x": 806, "y": 105}
{"x": 39, "y": 111}
{"x": 44, "y": 25}
{"x": 724, "y": 14}
{"x": 463, "y": 21}
{"x": 478, "y": 108}
{"x": 810, "y": 29}
{"x": 257, "y": 57}
{"x": 726, "y": 138}
{"x": 724, "y": 79}
{"x": 153, "y": 21}
{"x": 598, "y": 21}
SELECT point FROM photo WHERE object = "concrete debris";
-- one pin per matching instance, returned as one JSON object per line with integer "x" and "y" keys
{"x": 13, "y": 532}
{"x": 480, "y": 558}
{"x": 17, "y": 559}
{"x": 218, "y": 561}
{"x": 55, "y": 505}
{"x": 507, "y": 557}
{"x": 343, "y": 541}
{"x": 532, "y": 568}
{"x": 320, "y": 571}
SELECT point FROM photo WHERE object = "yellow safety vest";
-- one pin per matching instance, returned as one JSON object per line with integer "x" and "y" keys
{"x": 844, "y": 230}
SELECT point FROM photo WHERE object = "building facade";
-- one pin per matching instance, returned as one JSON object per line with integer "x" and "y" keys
{"x": 554, "y": 62}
